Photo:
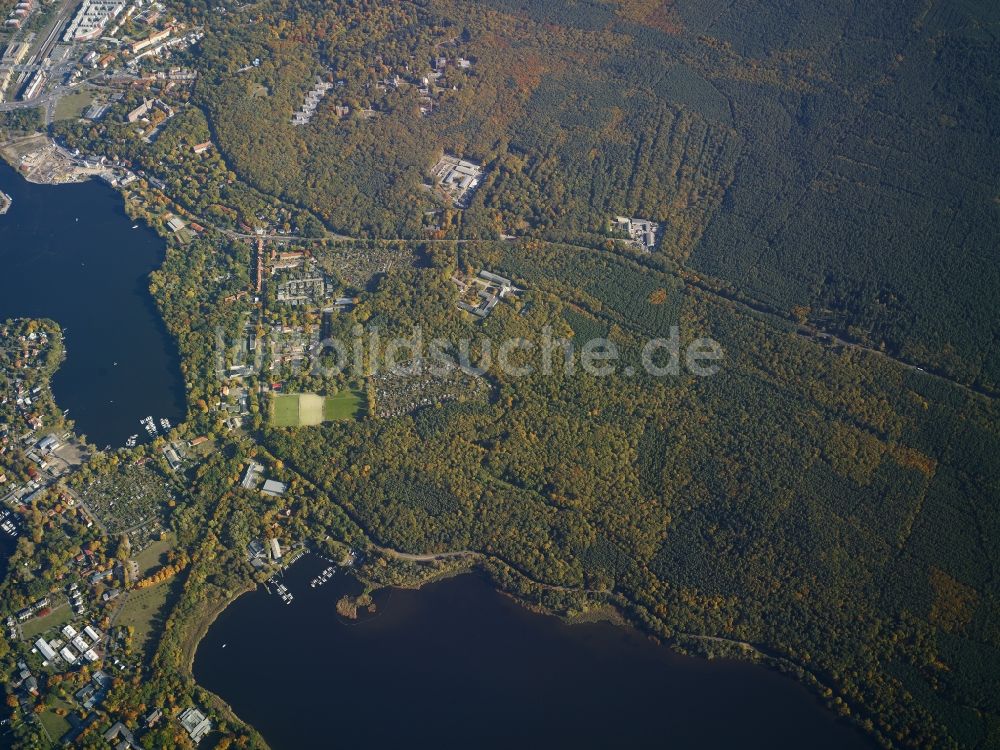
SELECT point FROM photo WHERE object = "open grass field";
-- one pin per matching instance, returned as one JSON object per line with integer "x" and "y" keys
{"x": 147, "y": 609}
{"x": 154, "y": 556}
{"x": 285, "y": 410}
{"x": 309, "y": 409}
{"x": 345, "y": 405}
{"x": 58, "y": 617}
{"x": 55, "y": 726}
{"x": 72, "y": 106}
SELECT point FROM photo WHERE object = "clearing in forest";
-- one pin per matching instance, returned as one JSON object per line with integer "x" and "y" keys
{"x": 310, "y": 409}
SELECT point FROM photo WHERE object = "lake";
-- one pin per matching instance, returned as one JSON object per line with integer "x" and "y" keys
{"x": 69, "y": 253}
{"x": 458, "y": 665}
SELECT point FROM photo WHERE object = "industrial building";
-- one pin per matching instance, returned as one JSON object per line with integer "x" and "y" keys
{"x": 274, "y": 488}
{"x": 252, "y": 475}
{"x": 641, "y": 232}
{"x": 35, "y": 85}
{"x": 275, "y": 549}
{"x": 49, "y": 444}
{"x": 480, "y": 294}
{"x": 45, "y": 649}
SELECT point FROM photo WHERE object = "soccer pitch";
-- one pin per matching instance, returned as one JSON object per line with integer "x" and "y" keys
{"x": 309, "y": 409}
{"x": 285, "y": 411}
{"x": 345, "y": 405}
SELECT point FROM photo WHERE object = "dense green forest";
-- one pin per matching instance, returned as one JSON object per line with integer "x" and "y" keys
{"x": 825, "y": 180}
{"x": 828, "y": 506}
{"x": 829, "y": 161}
{"x": 832, "y": 166}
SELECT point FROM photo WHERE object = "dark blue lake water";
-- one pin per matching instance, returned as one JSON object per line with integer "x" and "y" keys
{"x": 69, "y": 253}
{"x": 457, "y": 665}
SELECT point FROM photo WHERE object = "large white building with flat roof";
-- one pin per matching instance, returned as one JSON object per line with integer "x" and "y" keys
{"x": 195, "y": 724}
{"x": 274, "y": 488}
{"x": 45, "y": 649}
{"x": 91, "y": 18}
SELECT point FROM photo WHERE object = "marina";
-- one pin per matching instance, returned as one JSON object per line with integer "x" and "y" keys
{"x": 323, "y": 577}
{"x": 8, "y": 523}
{"x": 152, "y": 428}
{"x": 282, "y": 591}
{"x": 92, "y": 277}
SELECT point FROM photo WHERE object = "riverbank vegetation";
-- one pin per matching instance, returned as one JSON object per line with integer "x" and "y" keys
{"x": 30, "y": 352}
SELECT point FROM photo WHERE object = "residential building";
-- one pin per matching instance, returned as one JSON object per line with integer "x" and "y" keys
{"x": 195, "y": 724}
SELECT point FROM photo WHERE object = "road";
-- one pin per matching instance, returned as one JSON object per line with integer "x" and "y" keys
{"x": 825, "y": 338}
{"x": 810, "y": 333}
{"x": 56, "y": 93}
{"x": 805, "y": 331}
{"x": 428, "y": 557}
{"x": 52, "y": 33}
{"x": 44, "y": 43}
{"x": 458, "y": 554}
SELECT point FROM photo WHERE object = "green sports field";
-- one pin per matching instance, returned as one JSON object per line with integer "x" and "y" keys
{"x": 285, "y": 411}
{"x": 308, "y": 409}
{"x": 345, "y": 405}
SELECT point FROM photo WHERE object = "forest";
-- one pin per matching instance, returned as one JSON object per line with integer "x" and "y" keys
{"x": 826, "y": 503}
{"x": 824, "y": 179}
{"x": 829, "y": 163}
{"x": 829, "y": 506}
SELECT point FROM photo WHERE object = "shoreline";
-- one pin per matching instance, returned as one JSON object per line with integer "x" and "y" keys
{"x": 614, "y": 614}
{"x": 204, "y": 624}
{"x": 198, "y": 633}
{"x": 49, "y": 165}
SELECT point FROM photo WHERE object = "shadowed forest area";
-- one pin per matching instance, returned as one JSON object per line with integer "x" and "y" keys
{"x": 815, "y": 168}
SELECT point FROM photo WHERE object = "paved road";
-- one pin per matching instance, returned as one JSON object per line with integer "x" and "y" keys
{"x": 435, "y": 556}
{"x": 43, "y": 46}
{"x": 428, "y": 557}
{"x": 825, "y": 338}
{"x": 810, "y": 333}
{"x": 54, "y": 31}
